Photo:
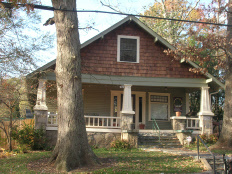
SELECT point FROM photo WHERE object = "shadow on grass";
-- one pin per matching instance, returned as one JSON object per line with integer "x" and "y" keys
{"x": 149, "y": 162}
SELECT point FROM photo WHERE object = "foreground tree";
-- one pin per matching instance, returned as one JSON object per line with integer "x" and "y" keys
{"x": 226, "y": 138}
{"x": 72, "y": 149}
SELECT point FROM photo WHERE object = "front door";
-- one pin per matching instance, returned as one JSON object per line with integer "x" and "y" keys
{"x": 138, "y": 100}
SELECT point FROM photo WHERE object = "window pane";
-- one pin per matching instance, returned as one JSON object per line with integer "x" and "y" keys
{"x": 158, "y": 98}
{"x": 140, "y": 109}
{"x": 159, "y": 111}
{"x": 115, "y": 111}
{"x": 128, "y": 49}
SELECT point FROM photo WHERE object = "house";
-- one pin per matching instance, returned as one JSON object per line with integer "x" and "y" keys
{"x": 126, "y": 72}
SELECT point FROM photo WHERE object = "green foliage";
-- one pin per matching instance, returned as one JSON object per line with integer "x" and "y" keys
{"x": 120, "y": 145}
{"x": 22, "y": 148}
{"x": 208, "y": 139}
{"x": 195, "y": 102}
{"x": 28, "y": 136}
{"x": 211, "y": 139}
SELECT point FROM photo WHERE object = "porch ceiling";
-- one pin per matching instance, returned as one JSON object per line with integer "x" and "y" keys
{"x": 138, "y": 81}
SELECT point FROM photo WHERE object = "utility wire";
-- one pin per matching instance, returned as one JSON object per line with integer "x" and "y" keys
{"x": 42, "y": 7}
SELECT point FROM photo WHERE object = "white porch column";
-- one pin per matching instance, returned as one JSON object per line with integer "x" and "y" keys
{"x": 127, "y": 105}
{"x": 41, "y": 109}
{"x": 41, "y": 96}
{"x": 127, "y": 113}
{"x": 205, "y": 113}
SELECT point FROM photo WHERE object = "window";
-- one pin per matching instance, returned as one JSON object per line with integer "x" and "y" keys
{"x": 128, "y": 49}
{"x": 159, "y": 106}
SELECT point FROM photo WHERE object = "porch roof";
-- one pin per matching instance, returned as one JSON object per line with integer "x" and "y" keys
{"x": 138, "y": 81}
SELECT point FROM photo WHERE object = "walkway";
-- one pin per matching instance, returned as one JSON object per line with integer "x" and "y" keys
{"x": 183, "y": 152}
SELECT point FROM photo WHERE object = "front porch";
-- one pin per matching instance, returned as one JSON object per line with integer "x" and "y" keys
{"x": 113, "y": 124}
{"x": 122, "y": 109}
{"x": 151, "y": 106}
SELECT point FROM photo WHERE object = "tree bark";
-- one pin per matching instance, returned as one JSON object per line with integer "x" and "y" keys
{"x": 10, "y": 130}
{"x": 225, "y": 137}
{"x": 72, "y": 149}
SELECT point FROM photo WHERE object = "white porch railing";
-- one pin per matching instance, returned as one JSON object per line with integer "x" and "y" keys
{"x": 102, "y": 121}
{"x": 52, "y": 119}
{"x": 90, "y": 121}
{"x": 192, "y": 123}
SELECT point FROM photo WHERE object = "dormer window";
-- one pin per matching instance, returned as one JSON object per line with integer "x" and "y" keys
{"x": 128, "y": 49}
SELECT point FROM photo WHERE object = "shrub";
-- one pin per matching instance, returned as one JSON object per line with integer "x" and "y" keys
{"x": 29, "y": 137}
{"x": 120, "y": 144}
{"x": 211, "y": 139}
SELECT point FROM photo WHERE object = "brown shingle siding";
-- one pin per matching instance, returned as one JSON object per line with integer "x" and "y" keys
{"x": 100, "y": 57}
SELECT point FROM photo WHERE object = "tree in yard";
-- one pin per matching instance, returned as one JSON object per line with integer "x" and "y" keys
{"x": 172, "y": 31}
{"x": 226, "y": 133}
{"x": 10, "y": 94}
{"x": 20, "y": 41}
{"x": 72, "y": 149}
{"x": 212, "y": 46}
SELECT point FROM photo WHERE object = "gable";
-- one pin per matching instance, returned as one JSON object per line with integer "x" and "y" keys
{"x": 100, "y": 56}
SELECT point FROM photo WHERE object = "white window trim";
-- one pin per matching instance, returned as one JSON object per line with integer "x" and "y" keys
{"x": 161, "y": 94}
{"x": 138, "y": 47}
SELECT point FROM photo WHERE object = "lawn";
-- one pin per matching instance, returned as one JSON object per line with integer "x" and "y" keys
{"x": 133, "y": 161}
{"x": 215, "y": 150}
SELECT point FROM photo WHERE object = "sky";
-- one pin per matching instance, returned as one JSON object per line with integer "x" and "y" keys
{"x": 100, "y": 22}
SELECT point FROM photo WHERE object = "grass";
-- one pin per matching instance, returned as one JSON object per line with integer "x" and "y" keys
{"x": 136, "y": 161}
{"x": 202, "y": 148}
{"x": 18, "y": 163}
{"x": 131, "y": 161}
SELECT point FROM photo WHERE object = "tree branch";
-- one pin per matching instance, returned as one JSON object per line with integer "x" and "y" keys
{"x": 109, "y": 6}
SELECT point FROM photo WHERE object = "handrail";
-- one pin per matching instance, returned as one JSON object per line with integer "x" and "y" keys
{"x": 198, "y": 137}
{"x": 155, "y": 126}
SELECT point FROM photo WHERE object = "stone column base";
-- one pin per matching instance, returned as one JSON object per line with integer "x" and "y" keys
{"x": 126, "y": 121}
{"x": 131, "y": 137}
{"x": 206, "y": 123}
{"x": 40, "y": 119}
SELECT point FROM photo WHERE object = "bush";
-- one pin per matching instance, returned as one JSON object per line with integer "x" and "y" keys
{"x": 29, "y": 137}
{"x": 120, "y": 144}
{"x": 211, "y": 139}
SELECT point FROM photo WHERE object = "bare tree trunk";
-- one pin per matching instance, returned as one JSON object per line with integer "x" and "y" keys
{"x": 72, "y": 149}
{"x": 10, "y": 130}
{"x": 225, "y": 137}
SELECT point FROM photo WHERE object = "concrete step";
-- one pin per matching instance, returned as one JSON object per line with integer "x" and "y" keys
{"x": 157, "y": 138}
{"x": 168, "y": 146}
{"x": 167, "y": 140}
{"x": 219, "y": 164}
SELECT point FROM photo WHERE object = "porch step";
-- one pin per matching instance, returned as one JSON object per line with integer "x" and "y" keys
{"x": 219, "y": 164}
{"x": 167, "y": 140}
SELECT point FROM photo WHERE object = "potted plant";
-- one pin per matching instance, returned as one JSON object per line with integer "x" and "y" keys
{"x": 141, "y": 126}
{"x": 178, "y": 113}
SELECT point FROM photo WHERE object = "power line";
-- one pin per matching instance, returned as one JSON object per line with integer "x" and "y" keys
{"x": 42, "y": 7}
